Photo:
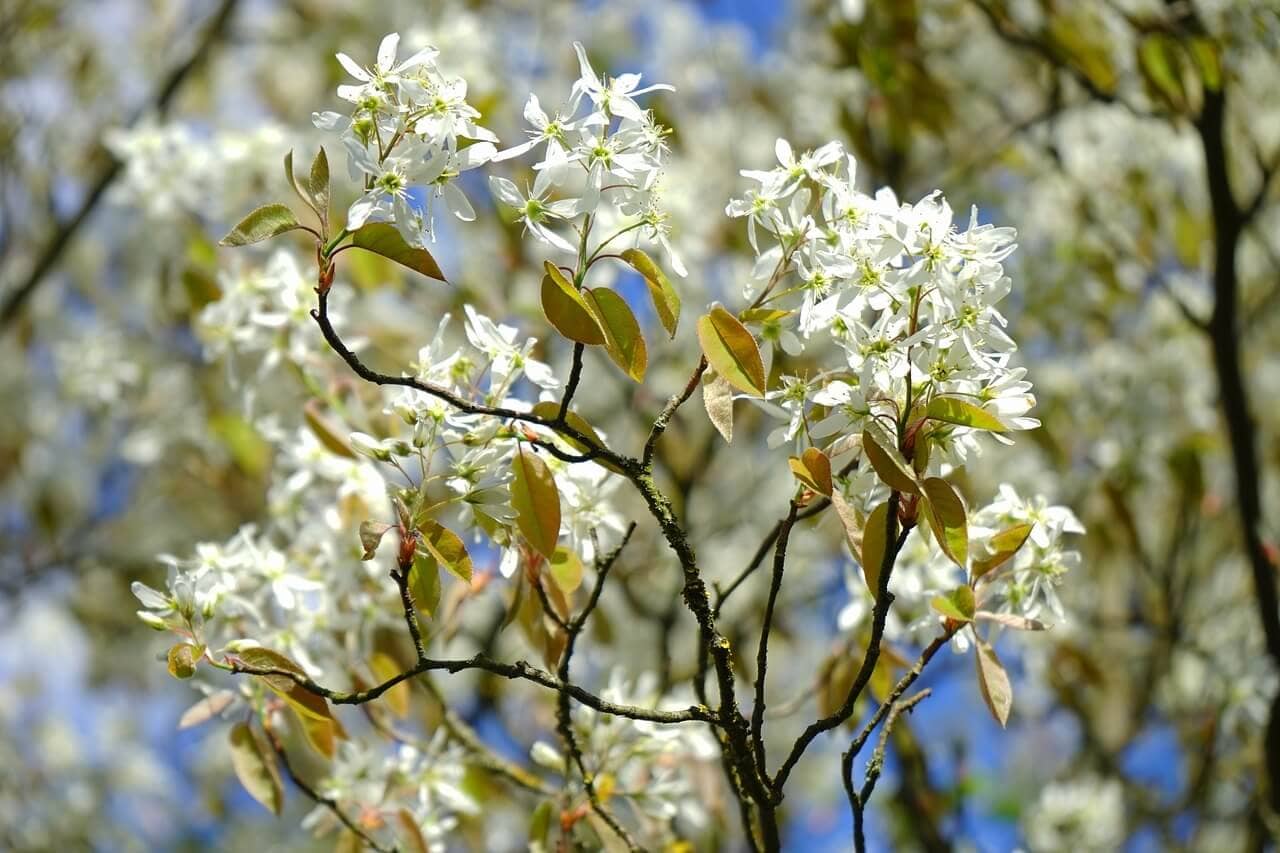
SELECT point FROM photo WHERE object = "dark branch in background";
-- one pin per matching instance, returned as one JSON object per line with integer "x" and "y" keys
{"x": 858, "y": 799}
{"x": 884, "y": 600}
{"x": 314, "y": 795}
{"x": 564, "y": 721}
{"x": 52, "y": 251}
{"x": 762, "y": 652}
{"x": 668, "y": 411}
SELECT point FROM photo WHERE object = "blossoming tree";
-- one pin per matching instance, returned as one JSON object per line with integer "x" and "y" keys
{"x": 868, "y": 327}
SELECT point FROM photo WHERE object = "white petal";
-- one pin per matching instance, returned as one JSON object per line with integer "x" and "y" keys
{"x": 353, "y": 69}
{"x": 457, "y": 202}
{"x": 387, "y": 52}
{"x": 505, "y": 191}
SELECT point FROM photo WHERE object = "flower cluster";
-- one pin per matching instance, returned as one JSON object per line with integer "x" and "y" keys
{"x": 410, "y": 127}
{"x": 602, "y": 160}
{"x": 907, "y": 299}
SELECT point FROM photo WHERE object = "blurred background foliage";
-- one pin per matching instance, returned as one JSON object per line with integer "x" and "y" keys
{"x": 1133, "y": 145}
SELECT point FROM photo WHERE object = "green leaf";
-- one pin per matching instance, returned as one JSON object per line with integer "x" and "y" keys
{"x": 319, "y": 185}
{"x": 255, "y": 766}
{"x": 874, "y": 542}
{"x": 1003, "y": 546}
{"x": 424, "y": 582}
{"x": 536, "y": 500}
{"x": 567, "y": 311}
{"x": 183, "y": 659}
{"x": 813, "y": 469}
{"x": 997, "y": 692}
{"x": 268, "y": 221}
{"x": 732, "y": 351}
{"x": 383, "y": 239}
{"x": 622, "y": 338}
{"x": 566, "y": 570}
{"x": 666, "y": 302}
{"x": 957, "y": 604}
{"x": 887, "y": 462}
{"x": 764, "y": 315}
{"x": 1159, "y": 57}
{"x": 447, "y": 548}
{"x": 249, "y": 450}
{"x": 371, "y": 533}
{"x": 717, "y": 399}
{"x": 954, "y": 410}
{"x": 946, "y": 514}
{"x": 540, "y": 824}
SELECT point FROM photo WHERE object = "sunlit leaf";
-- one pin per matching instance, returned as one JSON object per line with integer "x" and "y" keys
{"x": 666, "y": 302}
{"x": 424, "y": 582}
{"x": 732, "y": 351}
{"x": 957, "y": 604}
{"x": 1003, "y": 546}
{"x": 549, "y": 409}
{"x": 255, "y": 766}
{"x": 385, "y": 668}
{"x": 887, "y": 462}
{"x": 319, "y": 184}
{"x": 946, "y": 515}
{"x": 954, "y": 410}
{"x": 299, "y": 698}
{"x": 447, "y": 548}
{"x": 536, "y": 500}
{"x": 267, "y": 221}
{"x": 566, "y": 570}
{"x": 623, "y": 340}
{"x": 383, "y": 239}
{"x": 566, "y": 309}
{"x": 813, "y": 469}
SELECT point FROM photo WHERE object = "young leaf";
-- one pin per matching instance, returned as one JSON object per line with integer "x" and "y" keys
{"x": 183, "y": 659}
{"x": 371, "y": 533}
{"x": 622, "y": 338}
{"x": 411, "y": 832}
{"x": 447, "y": 548}
{"x": 1009, "y": 620}
{"x": 303, "y": 190}
{"x": 946, "y": 515}
{"x": 382, "y": 238}
{"x": 874, "y": 542}
{"x": 994, "y": 682}
{"x": 567, "y": 311}
{"x": 319, "y": 185}
{"x": 888, "y": 462}
{"x": 1003, "y": 545}
{"x": 957, "y": 604}
{"x": 536, "y": 500}
{"x": 255, "y": 766}
{"x": 566, "y": 570}
{"x": 732, "y": 351}
{"x": 813, "y": 469}
{"x": 268, "y": 221}
{"x": 666, "y": 302}
{"x": 717, "y": 399}
{"x": 954, "y": 410}
{"x": 424, "y": 582}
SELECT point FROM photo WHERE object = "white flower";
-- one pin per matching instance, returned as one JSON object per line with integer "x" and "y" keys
{"x": 612, "y": 97}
